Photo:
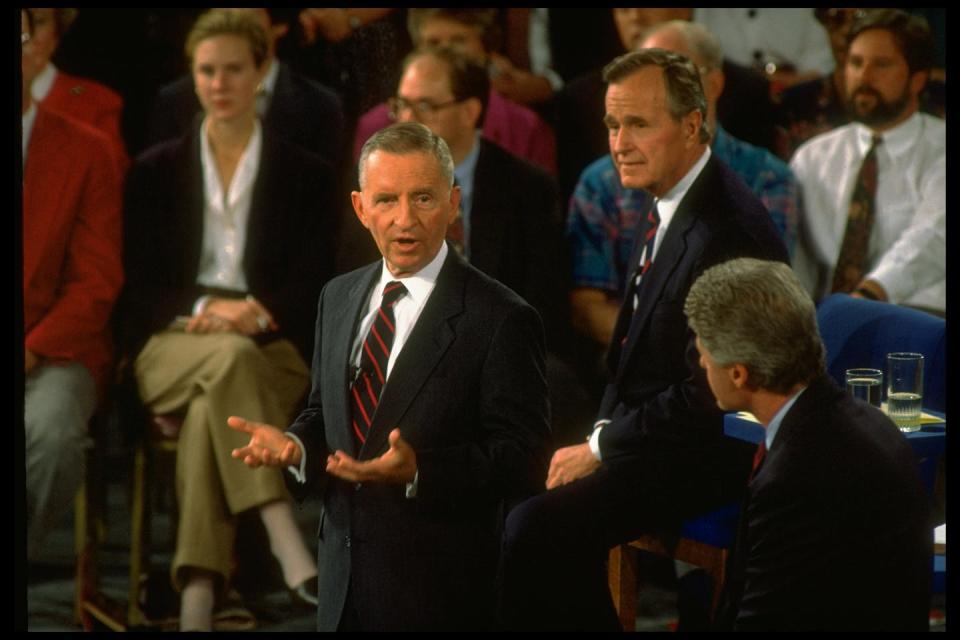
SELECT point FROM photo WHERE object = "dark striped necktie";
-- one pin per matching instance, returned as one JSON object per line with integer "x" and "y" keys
{"x": 852, "y": 260}
{"x": 370, "y": 377}
{"x": 649, "y": 240}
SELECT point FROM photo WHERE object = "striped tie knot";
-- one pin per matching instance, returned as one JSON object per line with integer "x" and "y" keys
{"x": 392, "y": 292}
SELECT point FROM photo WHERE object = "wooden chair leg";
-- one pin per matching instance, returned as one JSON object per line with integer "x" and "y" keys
{"x": 139, "y": 511}
{"x": 622, "y": 578}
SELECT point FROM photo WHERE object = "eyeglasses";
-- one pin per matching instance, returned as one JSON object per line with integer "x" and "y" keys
{"x": 420, "y": 108}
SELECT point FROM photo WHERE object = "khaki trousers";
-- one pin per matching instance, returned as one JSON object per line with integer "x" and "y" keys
{"x": 214, "y": 376}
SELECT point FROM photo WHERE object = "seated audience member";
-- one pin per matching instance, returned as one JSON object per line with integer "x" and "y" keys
{"x": 227, "y": 246}
{"x": 744, "y": 108}
{"x": 290, "y": 105}
{"x": 874, "y": 191}
{"x": 819, "y": 105}
{"x": 604, "y": 216}
{"x": 354, "y": 51}
{"x": 473, "y": 33}
{"x": 80, "y": 98}
{"x": 835, "y": 531}
{"x": 72, "y": 273}
{"x": 787, "y": 44}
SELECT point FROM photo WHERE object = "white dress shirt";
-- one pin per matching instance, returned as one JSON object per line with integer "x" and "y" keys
{"x": 43, "y": 83}
{"x": 27, "y": 121}
{"x": 666, "y": 207}
{"x": 907, "y": 250}
{"x": 225, "y": 216}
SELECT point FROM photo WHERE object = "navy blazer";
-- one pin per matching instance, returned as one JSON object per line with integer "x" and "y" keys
{"x": 663, "y": 415}
{"x": 468, "y": 392}
{"x": 835, "y": 532}
{"x": 301, "y": 111}
{"x": 289, "y": 246}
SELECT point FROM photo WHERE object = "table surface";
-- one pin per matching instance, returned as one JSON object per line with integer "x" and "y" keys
{"x": 749, "y": 430}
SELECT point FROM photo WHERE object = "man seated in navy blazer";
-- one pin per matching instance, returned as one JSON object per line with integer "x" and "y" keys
{"x": 290, "y": 105}
{"x": 427, "y": 417}
{"x": 657, "y": 454}
{"x": 835, "y": 531}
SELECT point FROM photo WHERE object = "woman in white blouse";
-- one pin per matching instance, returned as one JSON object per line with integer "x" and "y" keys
{"x": 227, "y": 244}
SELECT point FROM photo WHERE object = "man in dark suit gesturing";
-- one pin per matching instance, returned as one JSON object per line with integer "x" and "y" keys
{"x": 428, "y": 413}
{"x": 835, "y": 530}
{"x": 657, "y": 454}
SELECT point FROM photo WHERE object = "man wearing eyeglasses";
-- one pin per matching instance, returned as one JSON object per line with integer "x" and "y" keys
{"x": 510, "y": 224}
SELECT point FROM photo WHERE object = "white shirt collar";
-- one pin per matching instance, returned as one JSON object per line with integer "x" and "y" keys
{"x": 43, "y": 83}
{"x": 243, "y": 177}
{"x": 420, "y": 284}
{"x": 27, "y": 125}
{"x": 896, "y": 141}
{"x": 270, "y": 78}
{"x": 667, "y": 205}
{"x": 774, "y": 426}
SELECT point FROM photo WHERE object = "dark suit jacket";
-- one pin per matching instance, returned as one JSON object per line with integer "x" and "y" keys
{"x": 516, "y": 234}
{"x": 469, "y": 394}
{"x": 836, "y": 532}
{"x": 72, "y": 270}
{"x": 288, "y": 255}
{"x": 301, "y": 111}
{"x": 665, "y": 421}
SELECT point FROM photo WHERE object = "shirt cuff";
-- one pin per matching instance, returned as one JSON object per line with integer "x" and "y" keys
{"x": 594, "y": 439}
{"x": 300, "y": 474}
{"x": 200, "y": 305}
{"x": 412, "y": 486}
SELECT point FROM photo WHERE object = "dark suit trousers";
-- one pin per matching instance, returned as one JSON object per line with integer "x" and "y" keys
{"x": 553, "y": 573}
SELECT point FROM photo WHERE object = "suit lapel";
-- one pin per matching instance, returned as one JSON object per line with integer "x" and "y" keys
{"x": 670, "y": 255}
{"x": 429, "y": 340}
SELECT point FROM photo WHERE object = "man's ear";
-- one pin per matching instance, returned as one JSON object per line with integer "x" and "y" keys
{"x": 356, "y": 198}
{"x": 472, "y": 108}
{"x": 692, "y": 123}
{"x": 739, "y": 376}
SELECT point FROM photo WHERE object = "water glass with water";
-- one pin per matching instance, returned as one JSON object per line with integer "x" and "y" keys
{"x": 866, "y": 384}
{"x": 905, "y": 389}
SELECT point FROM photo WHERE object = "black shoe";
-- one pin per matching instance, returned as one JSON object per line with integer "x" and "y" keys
{"x": 304, "y": 595}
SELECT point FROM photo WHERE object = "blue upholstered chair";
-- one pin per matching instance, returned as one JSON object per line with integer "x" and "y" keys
{"x": 860, "y": 333}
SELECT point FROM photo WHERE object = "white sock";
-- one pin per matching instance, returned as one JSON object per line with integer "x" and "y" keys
{"x": 196, "y": 603}
{"x": 286, "y": 543}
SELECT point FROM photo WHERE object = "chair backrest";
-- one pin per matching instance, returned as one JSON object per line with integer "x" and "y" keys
{"x": 860, "y": 333}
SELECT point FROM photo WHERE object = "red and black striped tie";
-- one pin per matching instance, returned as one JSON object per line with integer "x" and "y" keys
{"x": 649, "y": 240}
{"x": 375, "y": 354}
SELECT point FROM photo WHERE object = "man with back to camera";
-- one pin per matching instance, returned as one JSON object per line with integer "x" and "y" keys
{"x": 657, "y": 454}
{"x": 428, "y": 413}
{"x": 835, "y": 531}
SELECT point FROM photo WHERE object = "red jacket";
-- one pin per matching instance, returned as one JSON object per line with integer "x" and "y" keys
{"x": 72, "y": 234}
{"x": 93, "y": 103}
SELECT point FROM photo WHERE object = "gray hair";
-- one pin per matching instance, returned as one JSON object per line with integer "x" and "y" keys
{"x": 680, "y": 76}
{"x": 705, "y": 46}
{"x": 407, "y": 137}
{"x": 756, "y": 313}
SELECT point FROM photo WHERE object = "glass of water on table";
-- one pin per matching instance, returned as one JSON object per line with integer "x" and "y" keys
{"x": 905, "y": 389}
{"x": 866, "y": 384}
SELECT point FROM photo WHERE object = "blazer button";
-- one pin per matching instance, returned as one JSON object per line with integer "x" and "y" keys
{"x": 346, "y": 541}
